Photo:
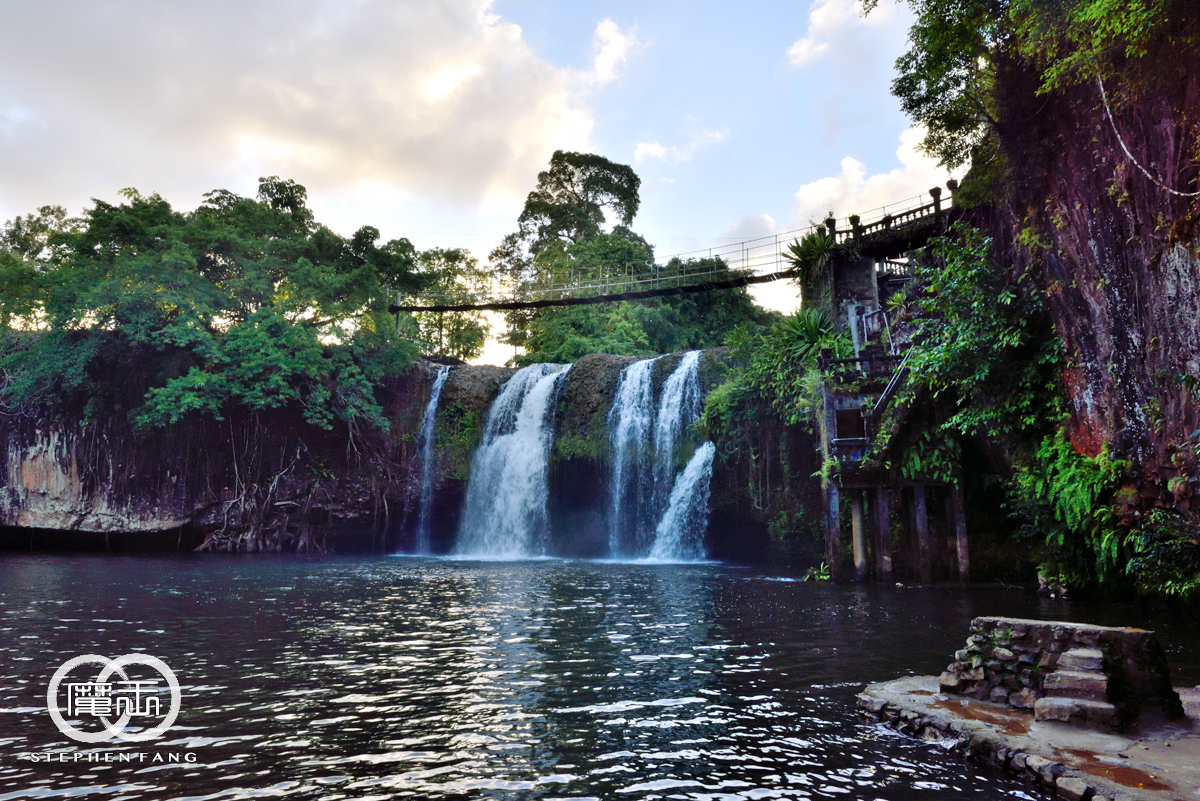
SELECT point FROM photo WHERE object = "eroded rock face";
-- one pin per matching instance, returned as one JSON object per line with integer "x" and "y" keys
{"x": 44, "y": 489}
{"x": 1118, "y": 258}
{"x": 271, "y": 482}
{"x": 268, "y": 482}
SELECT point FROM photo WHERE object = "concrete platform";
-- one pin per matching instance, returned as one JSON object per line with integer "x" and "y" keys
{"x": 1151, "y": 761}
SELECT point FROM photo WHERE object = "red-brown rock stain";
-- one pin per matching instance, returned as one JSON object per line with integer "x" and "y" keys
{"x": 1120, "y": 774}
{"x": 1010, "y": 723}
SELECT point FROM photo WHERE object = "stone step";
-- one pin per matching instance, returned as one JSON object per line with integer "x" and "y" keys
{"x": 1076, "y": 684}
{"x": 1081, "y": 659}
{"x": 1077, "y": 712}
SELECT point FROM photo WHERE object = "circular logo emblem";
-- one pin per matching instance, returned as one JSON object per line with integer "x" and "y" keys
{"x": 113, "y": 699}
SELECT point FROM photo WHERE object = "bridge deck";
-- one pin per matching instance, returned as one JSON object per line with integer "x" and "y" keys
{"x": 755, "y": 261}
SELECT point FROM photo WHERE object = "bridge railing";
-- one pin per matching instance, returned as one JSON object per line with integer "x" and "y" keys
{"x": 758, "y": 256}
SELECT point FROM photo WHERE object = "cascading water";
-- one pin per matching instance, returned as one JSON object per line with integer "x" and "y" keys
{"x": 425, "y": 510}
{"x": 505, "y": 515}
{"x": 648, "y": 500}
{"x": 680, "y": 534}
{"x": 678, "y": 408}
{"x": 629, "y": 424}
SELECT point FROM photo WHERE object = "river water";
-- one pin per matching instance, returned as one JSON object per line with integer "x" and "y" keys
{"x": 426, "y": 678}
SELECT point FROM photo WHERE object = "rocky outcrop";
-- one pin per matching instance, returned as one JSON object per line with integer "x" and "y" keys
{"x": 265, "y": 482}
{"x": 271, "y": 482}
{"x": 1117, "y": 255}
{"x": 45, "y": 489}
{"x": 1094, "y": 676}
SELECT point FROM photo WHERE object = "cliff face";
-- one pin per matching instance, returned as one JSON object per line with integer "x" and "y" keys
{"x": 1118, "y": 256}
{"x": 267, "y": 482}
{"x": 272, "y": 483}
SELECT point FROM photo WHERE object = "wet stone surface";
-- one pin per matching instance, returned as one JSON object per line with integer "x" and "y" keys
{"x": 1155, "y": 762}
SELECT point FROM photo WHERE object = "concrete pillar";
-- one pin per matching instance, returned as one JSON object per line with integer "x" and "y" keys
{"x": 833, "y": 531}
{"x": 859, "y": 535}
{"x": 883, "y": 534}
{"x": 921, "y": 521}
{"x": 956, "y": 516}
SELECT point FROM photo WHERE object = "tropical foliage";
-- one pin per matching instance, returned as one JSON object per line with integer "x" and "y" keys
{"x": 959, "y": 49}
{"x": 986, "y": 342}
{"x": 561, "y": 240}
{"x": 243, "y": 303}
{"x": 452, "y": 276}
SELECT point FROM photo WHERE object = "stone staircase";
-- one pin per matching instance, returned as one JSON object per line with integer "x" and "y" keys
{"x": 1077, "y": 692}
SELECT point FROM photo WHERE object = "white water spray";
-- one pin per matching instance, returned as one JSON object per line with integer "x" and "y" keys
{"x": 630, "y": 422}
{"x": 505, "y": 515}
{"x": 680, "y": 534}
{"x": 425, "y": 509}
{"x": 648, "y": 441}
{"x": 678, "y": 408}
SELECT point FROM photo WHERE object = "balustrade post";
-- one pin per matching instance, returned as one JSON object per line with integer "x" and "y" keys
{"x": 831, "y": 224}
{"x": 921, "y": 523}
{"x": 883, "y": 530}
{"x": 858, "y": 536}
{"x": 856, "y": 227}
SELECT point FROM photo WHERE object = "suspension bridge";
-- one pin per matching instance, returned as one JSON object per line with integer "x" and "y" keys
{"x": 885, "y": 234}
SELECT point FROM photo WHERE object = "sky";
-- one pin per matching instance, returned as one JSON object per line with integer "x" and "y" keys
{"x": 430, "y": 119}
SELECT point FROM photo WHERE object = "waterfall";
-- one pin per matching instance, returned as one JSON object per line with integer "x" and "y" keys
{"x": 629, "y": 425}
{"x": 649, "y": 502}
{"x": 425, "y": 510}
{"x": 505, "y": 515}
{"x": 680, "y": 534}
{"x": 677, "y": 409}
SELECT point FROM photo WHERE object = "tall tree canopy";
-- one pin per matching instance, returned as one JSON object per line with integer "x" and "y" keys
{"x": 452, "y": 276}
{"x": 957, "y": 49}
{"x": 243, "y": 302}
{"x": 571, "y": 196}
{"x": 561, "y": 239}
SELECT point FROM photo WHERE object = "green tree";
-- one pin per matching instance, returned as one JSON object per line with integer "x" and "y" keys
{"x": 241, "y": 303}
{"x": 571, "y": 196}
{"x": 561, "y": 240}
{"x": 703, "y": 319}
{"x": 947, "y": 80}
{"x": 25, "y": 250}
{"x": 452, "y": 276}
{"x": 576, "y": 331}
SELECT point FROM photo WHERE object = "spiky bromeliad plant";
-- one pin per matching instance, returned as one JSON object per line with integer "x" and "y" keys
{"x": 811, "y": 254}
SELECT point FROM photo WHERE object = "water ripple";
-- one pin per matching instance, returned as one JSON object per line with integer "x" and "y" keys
{"x": 438, "y": 679}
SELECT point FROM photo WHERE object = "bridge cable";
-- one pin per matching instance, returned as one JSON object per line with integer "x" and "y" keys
{"x": 1113, "y": 122}
{"x": 707, "y": 286}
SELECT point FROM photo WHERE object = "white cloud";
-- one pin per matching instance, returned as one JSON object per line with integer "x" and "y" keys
{"x": 829, "y": 23}
{"x": 651, "y": 150}
{"x": 852, "y": 191}
{"x": 16, "y": 120}
{"x": 438, "y": 99}
{"x": 677, "y": 154}
{"x": 610, "y": 48}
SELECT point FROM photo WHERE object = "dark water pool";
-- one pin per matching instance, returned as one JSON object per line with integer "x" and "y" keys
{"x": 404, "y": 678}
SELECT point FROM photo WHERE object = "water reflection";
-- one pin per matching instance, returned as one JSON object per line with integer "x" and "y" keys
{"x": 420, "y": 678}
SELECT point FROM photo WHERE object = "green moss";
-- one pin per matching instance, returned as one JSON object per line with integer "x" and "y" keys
{"x": 585, "y": 442}
{"x": 457, "y": 432}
